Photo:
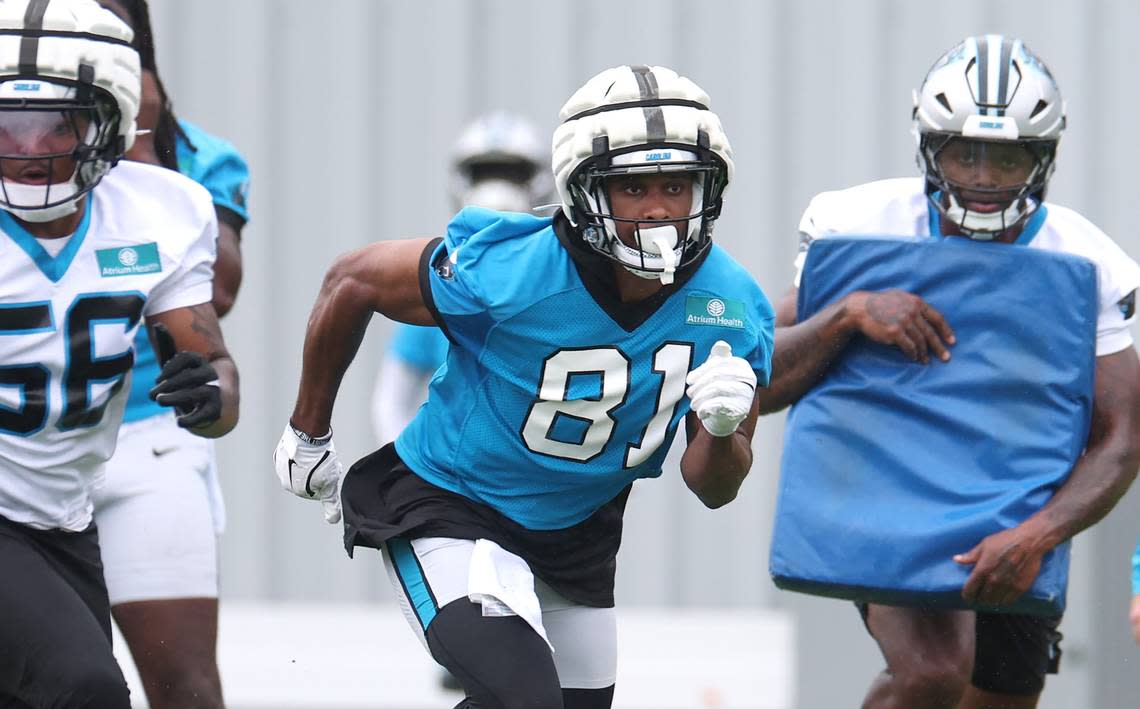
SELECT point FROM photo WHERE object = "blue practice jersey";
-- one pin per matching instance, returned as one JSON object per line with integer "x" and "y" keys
{"x": 217, "y": 166}
{"x": 553, "y": 399}
{"x": 424, "y": 348}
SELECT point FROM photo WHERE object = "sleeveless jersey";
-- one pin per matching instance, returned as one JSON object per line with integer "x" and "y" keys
{"x": 552, "y": 399}
{"x": 145, "y": 245}
{"x": 217, "y": 166}
{"x": 899, "y": 207}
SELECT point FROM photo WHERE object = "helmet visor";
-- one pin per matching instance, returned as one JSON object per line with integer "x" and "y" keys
{"x": 986, "y": 165}
{"x": 28, "y": 133}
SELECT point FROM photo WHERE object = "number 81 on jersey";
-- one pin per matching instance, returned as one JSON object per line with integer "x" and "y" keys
{"x": 596, "y": 414}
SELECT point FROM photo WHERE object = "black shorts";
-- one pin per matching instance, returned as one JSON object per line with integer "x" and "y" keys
{"x": 1012, "y": 653}
{"x": 383, "y": 499}
{"x": 55, "y": 621}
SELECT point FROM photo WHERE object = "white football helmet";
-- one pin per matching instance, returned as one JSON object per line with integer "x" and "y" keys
{"x": 641, "y": 119}
{"x": 69, "y": 89}
{"x": 497, "y": 163}
{"x": 988, "y": 89}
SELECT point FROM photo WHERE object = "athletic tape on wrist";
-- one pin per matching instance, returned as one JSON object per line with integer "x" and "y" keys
{"x": 311, "y": 440}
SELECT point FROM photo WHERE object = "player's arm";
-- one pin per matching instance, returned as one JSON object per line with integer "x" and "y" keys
{"x": 722, "y": 394}
{"x": 198, "y": 377}
{"x": 227, "y": 266}
{"x": 1006, "y": 563}
{"x": 380, "y": 278}
{"x": 715, "y": 467}
{"x": 804, "y": 351}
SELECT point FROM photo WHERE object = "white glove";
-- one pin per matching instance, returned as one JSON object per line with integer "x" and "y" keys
{"x": 721, "y": 390}
{"x": 310, "y": 470}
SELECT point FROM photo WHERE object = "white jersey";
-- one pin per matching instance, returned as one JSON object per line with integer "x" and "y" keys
{"x": 146, "y": 245}
{"x": 899, "y": 207}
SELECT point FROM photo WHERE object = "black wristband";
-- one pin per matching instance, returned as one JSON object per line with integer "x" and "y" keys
{"x": 311, "y": 440}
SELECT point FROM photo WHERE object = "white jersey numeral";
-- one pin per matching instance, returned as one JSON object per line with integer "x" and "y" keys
{"x": 672, "y": 361}
{"x": 596, "y": 414}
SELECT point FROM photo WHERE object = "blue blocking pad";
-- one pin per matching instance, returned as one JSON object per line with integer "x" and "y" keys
{"x": 891, "y": 467}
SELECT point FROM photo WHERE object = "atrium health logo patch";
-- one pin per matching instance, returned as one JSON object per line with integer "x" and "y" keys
{"x": 129, "y": 260}
{"x": 714, "y": 312}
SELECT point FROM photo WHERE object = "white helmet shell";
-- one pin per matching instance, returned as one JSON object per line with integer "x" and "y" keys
{"x": 626, "y": 114}
{"x": 600, "y": 108}
{"x": 988, "y": 88}
{"x": 76, "y": 41}
{"x": 996, "y": 77}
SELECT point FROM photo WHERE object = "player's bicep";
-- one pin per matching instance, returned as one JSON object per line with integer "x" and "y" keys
{"x": 386, "y": 275}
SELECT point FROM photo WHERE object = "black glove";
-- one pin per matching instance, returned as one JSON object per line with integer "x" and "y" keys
{"x": 187, "y": 382}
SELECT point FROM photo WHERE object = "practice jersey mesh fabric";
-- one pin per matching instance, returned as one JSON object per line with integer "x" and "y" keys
{"x": 547, "y": 407}
{"x": 216, "y": 165}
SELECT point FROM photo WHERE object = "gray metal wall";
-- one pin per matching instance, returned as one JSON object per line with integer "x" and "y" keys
{"x": 346, "y": 109}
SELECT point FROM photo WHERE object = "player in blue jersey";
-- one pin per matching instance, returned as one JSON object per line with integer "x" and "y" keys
{"x": 498, "y": 162}
{"x": 988, "y": 117}
{"x": 161, "y": 510}
{"x": 578, "y": 344}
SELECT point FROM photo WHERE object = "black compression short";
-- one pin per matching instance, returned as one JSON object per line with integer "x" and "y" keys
{"x": 55, "y": 622}
{"x": 383, "y": 499}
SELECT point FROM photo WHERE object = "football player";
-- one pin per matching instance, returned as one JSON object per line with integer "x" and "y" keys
{"x": 988, "y": 119}
{"x": 92, "y": 246}
{"x": 160, "y": 511}
{"x": 499, "y": 508}
{"x": 497, "y": 163}
{"x": 1134, "y": 610}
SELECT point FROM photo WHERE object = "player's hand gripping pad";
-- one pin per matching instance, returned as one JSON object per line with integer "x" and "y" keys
{"x": 890, "y": 467}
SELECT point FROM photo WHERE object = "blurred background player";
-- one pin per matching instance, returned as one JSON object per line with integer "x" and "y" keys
{"x": 499, "y": 509}
{"x": 161, "y": 510}
{"x": 986, "y": 147}
{"x": 499, "y": 162}
{"x": 1134, "y": 611}
{"x": 91, "y": 245}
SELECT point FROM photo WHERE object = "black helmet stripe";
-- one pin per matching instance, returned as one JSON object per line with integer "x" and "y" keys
{"x": 654, "y": 116}
{"x": 1003, "y": 77}
{"x": 30, "y": 44}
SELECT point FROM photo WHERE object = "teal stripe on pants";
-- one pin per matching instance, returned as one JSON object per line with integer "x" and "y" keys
{"x": 412, "y": 578}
